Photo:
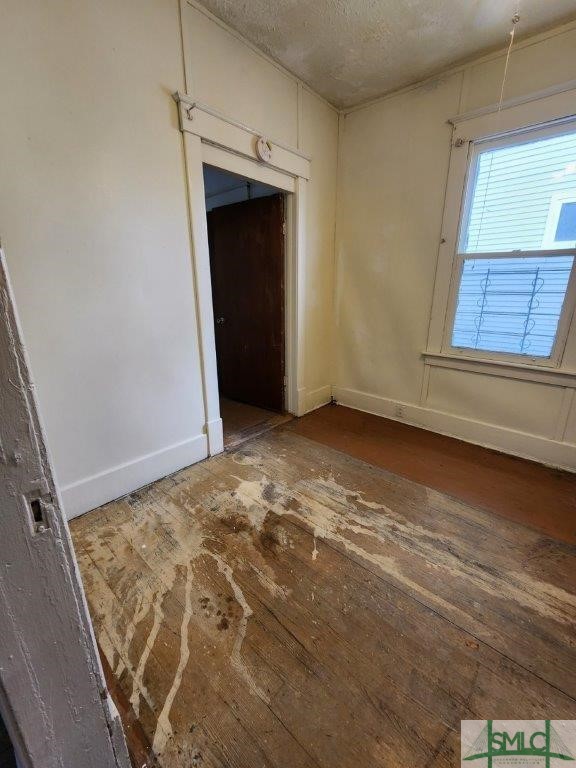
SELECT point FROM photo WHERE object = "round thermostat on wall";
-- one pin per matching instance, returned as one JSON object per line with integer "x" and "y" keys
{"x": 263, "y": 150}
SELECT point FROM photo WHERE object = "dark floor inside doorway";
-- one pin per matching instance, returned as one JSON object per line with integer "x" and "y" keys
{"x": 242, "y": 421}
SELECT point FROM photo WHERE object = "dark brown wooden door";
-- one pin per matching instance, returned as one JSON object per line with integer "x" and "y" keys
{"x": 247, "y": 264}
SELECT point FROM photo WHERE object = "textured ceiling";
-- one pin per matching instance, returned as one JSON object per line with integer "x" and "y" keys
{"x": 350, "y": 51}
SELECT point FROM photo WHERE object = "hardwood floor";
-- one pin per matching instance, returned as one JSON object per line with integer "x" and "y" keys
{"x": 241, "y": 421}
{"x": 288, "y": 605}
{"x": 520, "y": 490}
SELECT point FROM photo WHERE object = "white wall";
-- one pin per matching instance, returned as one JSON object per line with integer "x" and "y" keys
{"x": 94, "y": 223}
{"x": 238, "y": 81}
{"x": 319, "y": 138}
{"x": 394, "y": 157}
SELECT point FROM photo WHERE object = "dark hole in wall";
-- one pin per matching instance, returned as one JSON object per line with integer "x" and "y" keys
{"x": 36, "y": 508}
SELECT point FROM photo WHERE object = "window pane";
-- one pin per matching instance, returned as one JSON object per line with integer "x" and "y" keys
{"x": 511, "y": 304}
{"x": 517, "y": 195}
{"x": 566, "y": 227}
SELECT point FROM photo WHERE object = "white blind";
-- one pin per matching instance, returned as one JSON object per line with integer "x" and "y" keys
{"x": 512, "y": 304}
{"x": 513, "y": 193}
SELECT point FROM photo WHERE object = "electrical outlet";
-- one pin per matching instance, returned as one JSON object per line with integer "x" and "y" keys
{"x": 399, "y": 411}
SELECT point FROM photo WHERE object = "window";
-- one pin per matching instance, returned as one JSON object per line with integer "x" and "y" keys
{"x": 516, "y": 248}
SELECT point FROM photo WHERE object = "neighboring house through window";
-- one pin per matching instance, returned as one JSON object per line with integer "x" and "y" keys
{"x": 561, "y": 224}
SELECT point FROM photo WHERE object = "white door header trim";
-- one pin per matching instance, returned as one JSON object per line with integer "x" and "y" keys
{"x": 222, "y": 131}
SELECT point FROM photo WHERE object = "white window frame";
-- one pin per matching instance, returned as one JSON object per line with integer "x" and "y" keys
{"x": 545, "y": 116}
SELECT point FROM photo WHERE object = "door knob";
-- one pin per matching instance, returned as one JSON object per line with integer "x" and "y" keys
{"x": 220, "y": 320}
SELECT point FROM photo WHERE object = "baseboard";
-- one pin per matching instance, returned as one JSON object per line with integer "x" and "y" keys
{"x": 522, "y": 444}
{"x": 215, "y": 433}
{"x": 300, "y": 402}
{"x": 93, "y": 491}
{"x": 316, "y": 398}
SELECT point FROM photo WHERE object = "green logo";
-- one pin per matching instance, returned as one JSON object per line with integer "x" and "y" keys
{"x": 540, "y": 743}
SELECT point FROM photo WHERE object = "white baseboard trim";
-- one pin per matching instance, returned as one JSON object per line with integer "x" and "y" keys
{"x": 527, "y": 446}
{"x": 316, "y": 398}
{"x": 300, "y": 402}
{"x": 215, "y": 433}
{"x": 91, "y": 492}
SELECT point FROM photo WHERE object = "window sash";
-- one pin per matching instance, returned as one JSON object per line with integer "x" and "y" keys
{"x": 478, "y": 146}
{"x": 567, "y": 311}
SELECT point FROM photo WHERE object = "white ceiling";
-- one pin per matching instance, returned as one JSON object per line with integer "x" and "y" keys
{"x": 350, "y": 51}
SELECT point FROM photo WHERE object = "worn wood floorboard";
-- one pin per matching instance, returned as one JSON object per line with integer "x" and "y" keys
{"x": 242, "y": 422}
{"x": 521, "y": 490}
{"x": 286, "y": 605}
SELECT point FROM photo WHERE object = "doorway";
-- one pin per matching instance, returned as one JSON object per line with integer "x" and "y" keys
{"x": 246, "y": 239}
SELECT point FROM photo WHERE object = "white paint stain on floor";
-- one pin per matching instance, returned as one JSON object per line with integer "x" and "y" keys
{"x": 164, "y": 726}
{"x": 182, "y": 526}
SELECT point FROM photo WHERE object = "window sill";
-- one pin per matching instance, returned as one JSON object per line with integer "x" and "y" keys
{"x": 523, "y": 371}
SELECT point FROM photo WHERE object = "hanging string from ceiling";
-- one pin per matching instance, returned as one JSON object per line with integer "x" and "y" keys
{"x": 515, "y": 21}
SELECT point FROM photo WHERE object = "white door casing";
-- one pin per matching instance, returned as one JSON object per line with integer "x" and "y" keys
{"x": 212, "y": 138}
